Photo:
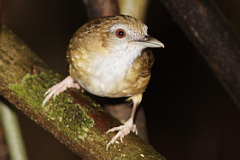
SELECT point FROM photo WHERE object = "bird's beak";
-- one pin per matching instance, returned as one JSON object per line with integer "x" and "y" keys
{"x": 150, "y": 42}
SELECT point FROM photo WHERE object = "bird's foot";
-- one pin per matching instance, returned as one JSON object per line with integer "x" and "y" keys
{"x": 55, "y": 90}
{"x": 123, "y": 130}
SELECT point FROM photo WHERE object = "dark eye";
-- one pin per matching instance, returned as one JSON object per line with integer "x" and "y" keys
{"x": 120, "y": 33}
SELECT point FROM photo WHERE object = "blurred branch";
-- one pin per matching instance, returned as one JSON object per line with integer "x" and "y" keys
{"x": 12, "y": 133}
{"x": 135, "y": 8}
{"x": 100, "y": 8}
{"x": 207, "y": 28}
{"x": 73, "y": 118}
{"x": 3, "y": 147}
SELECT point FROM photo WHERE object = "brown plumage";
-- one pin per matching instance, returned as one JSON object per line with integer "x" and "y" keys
{"x": 109, "y": 57}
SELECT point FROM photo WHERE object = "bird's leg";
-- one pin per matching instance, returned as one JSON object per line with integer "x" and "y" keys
{"x": 55, "y": 90}
{"x": 128, "y": 126}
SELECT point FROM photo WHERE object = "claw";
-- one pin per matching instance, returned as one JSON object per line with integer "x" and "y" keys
{"x": 123, "y": 130}
{"x": 128, "y": 126}
{"x": 55, "y": 90}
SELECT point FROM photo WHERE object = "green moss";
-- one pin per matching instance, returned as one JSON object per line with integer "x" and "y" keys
{"x": 69, "y": 118}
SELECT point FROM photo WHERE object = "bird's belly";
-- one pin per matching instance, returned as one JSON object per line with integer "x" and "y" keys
{"x": 106, "y": 86}
{"x": 111, "y": 76}
{"x": 112, "y": 85}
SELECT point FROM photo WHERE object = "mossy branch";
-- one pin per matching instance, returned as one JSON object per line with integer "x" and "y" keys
{"x": 73, "y": 118}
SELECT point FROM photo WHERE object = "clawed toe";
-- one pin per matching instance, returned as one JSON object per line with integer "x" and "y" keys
{"x": 59, "y": 88}
{"x": 123, "y": 130}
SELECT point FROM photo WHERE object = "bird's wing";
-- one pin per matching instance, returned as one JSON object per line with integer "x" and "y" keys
{"x": 140, "y": 72}
{"x": 145, "y": 63}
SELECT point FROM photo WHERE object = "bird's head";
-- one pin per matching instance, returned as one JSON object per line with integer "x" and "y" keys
{"x": 106, "y": 34}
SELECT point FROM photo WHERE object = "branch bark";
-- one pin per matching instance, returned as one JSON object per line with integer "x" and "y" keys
{"x": 73, "y": 118}
{"x": 207, "y": 28}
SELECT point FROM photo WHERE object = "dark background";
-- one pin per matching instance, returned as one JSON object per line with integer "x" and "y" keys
{"x": 189, "y": 114}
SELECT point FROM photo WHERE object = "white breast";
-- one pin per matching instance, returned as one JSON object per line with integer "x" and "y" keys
{"x": 108, "y": 71}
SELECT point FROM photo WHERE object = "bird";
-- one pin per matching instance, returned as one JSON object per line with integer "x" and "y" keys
{"x": 110, "y": 57}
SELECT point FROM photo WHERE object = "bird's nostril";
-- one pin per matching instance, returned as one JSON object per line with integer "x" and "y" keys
{"x": 146, "y": 38}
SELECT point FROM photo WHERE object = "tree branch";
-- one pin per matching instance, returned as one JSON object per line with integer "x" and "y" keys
{"x": 101, "y": 8}
{"x": 135, "y": 8}
{"x": 207, "y": 28}
{"x": 12, "y": 130}
{"x": 73, "y": 118}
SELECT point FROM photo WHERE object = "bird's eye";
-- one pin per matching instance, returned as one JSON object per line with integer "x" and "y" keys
{"x": 120, "y": 33}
